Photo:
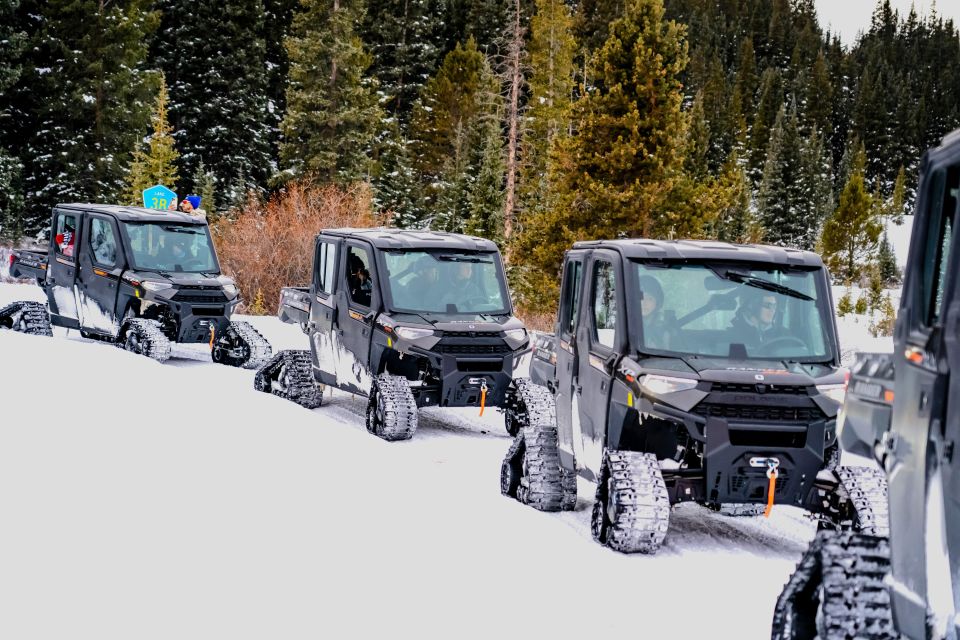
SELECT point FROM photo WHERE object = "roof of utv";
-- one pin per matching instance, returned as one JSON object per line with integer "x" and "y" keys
{"x": 136, "y": 214}
{"x": 386, "y": 238}
{"x": 705, "y": 250}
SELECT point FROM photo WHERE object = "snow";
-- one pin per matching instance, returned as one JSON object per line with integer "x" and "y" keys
{"x": 156, "y": 500}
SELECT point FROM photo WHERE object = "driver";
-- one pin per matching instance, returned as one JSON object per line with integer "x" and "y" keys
{"x": 651, "y": 312}
{"x": 423, "y": 287}
{"x": 754, "y": 323}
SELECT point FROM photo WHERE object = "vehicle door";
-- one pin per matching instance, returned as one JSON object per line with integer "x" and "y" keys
{"x": 923, "y": 483}
{"x": 567, "y": 374}
{"x": 100, "y": 266}
{"x": 62, "y": 268}
{"x": 357, "y": 301}
{"x": 600, "y": 335}
{"x": 323, "y": 290}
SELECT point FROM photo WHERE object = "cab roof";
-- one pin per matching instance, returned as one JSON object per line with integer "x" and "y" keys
{"x": 388, "y": 238}
{"x": 134, "y": 214}
{"x": 705, "y": 250}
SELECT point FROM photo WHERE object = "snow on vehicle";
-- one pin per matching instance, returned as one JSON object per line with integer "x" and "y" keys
{"x": 138, "y": 277}
{"x": 407, "y": 319}
{"x": 899, "y": 408}
{"x": 688, "y": 371}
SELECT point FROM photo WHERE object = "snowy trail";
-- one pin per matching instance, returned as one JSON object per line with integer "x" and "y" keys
{"x": 141, "y": 500}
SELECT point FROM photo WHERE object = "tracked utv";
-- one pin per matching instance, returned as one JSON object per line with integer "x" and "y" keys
{"x": 407, "y": 319}
{"x": 140, "y": 278}
{"x": 900, "y": 409}
{"x": 688, "y": 372}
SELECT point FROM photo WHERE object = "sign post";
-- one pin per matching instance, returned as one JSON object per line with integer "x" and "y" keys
{"x": 159, "y": 197}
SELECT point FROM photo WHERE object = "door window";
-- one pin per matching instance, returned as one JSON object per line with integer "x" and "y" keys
{"x": 325, "y": 264}
{"x": 571, "y": 297}
{"x": 65, "y": 234}
{"x": 944, "y": 187}
{"x": 359, "y": 280}
{"x": 604, "y": 304}
{"x": 103, "y": 242}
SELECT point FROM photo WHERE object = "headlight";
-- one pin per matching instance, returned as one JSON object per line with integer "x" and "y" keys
{"x": 409, "y": 333}
{"x": 231, "y": 290}
{"x": 659, "y": 385}
{"x": 835, "y": 392}
{"x": 515, "y": 334}
{"x": 155, "y": 286}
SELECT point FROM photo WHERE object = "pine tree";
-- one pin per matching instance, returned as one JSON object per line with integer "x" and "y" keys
{"x": 736, "y": 221}
{"x": 205, "y": 184}
{"x": 851, "y": 233}
{"x": 11, "y": 195}
{"x": 405, "y": 39}
{"x": 158, "y": 164}
{"x": 395, "y": 186}
{"x": 779, "y": 198}
{"x": 332, "y": 111}
{"x": 887, "y": 268}
{"x": 446, "y": 129}
{"x": 487, "y": 193}
{"x": 898, "y": 198}
{"x": 770, "y": 101}
{"x": 84, "y": 96}
{"x": 621, "y": 171}
{"x": 277, "y": 17}
{"x": 213, "y": 55}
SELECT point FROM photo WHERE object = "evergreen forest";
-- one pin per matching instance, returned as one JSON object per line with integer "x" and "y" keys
{"x": 535, "y": 123}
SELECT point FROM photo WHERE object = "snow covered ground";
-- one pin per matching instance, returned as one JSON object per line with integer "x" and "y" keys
{"x": 141, "y": 500}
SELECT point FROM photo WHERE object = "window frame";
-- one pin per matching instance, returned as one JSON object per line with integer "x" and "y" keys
{"x": 76, "y": 232}
{"x": 92, "y": 218}
{"x": 319, "y": 263}
{"x": 594, "y": 338}
{"x": 571, "y": 299}
{"x": 371, "y": 266}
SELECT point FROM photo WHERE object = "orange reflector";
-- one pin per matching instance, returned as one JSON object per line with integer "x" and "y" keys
{"x": 212, "y": 332}
{"x": 772, "y": 474}
{"x": 888, "y": 395}
{"x": 629, "y": 378}
{"x": 483, "y": 398}
{"x": 915, "y": 356}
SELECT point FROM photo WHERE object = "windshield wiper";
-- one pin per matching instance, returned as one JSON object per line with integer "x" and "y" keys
{"x": 463, "y": 259}
{"x": 760, "y": 283}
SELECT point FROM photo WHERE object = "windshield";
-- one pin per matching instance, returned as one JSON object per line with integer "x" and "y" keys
{"x": 171, "y": 247}
{"x": 446, "y": 282}
{"x": 736, "y": 311}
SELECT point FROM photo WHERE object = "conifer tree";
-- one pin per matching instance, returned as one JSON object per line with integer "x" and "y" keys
{"x": 205, "y": 185}
{"x": 214, "y": 57}
{"x": 621, "y": 171}
{"x": 778, "y": 198}
{"x": 769, "y": 102}
{"x": 887, "y": 268}
{"x": 157, "y": 165}
{"x": 396, "y": 191}
{"x": 736, "y": 221}
{"x": 11, "y": 198}
{"x": 851, "y": 233}
{"x": 446, "y": 130}
{"x": 332, "y": 110}
{"x": 85, "y": 96}
{"x": 487, "y": 192}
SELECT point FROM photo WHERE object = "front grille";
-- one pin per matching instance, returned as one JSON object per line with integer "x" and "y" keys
{"x": 736, "y": 387}
{"x": 754, "y": 413}
{"x": 471, "y": 334}
{"x": 739, "y": 482}
{"x": 479, "y": 365}
{"x": 472, "y": 349}
{"x": 205, "y": 297}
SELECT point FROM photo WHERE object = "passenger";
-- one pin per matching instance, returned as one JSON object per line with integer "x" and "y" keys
{"x": 754, "y": 323}
{"x": 66, "y": 239}
{"x": 423, "y": 290}
{"x": 651, "y": 312}
{"x": 358, "y": 279}
{"x": 186, "y": 206}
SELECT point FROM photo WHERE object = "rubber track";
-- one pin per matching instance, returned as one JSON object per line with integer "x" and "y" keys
{"x": 511, "y": 469}
{"x": 33, "y": 314}
{"x": 847, "y": 571}
{"x": 544, "y": 484}
{"x": 640, "y": 502}
{"x": 260, "y": 349}
{"x": 154, "y": 343}
{"x": 298, "y": 385}
{"x": 866, "y": 488}
{"x": 515, "y": 411}
{"x": 400, "y": 409}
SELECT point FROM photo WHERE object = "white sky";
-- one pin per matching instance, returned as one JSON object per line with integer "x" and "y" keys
{"x": 847, "y": 17}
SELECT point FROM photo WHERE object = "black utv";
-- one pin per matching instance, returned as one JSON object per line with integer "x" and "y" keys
{"x": 688, "y": 371}
{"x": 141, "y": 278}
{"x": 905, "y": 584}
{"x": 407, "y": 318}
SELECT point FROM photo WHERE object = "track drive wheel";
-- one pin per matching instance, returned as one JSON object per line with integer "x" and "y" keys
{"x": 631, "y": 513}
{"x": 145, "y": 337}
{"x": 391, "y": 411}
{"x": 241, "y": 345}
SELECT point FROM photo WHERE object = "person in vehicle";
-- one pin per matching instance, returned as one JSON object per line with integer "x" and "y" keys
{"x": 422, "y": 290}
{"x": 66, "y": 239}
{"x": 755, "y": 321}
{"x": 651, "y": 313}
{"x": 358, "y": 279}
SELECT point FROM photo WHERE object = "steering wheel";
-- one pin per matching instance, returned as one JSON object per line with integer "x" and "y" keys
{"x": 197, "y": 261}
{"x": 783, "y": 341}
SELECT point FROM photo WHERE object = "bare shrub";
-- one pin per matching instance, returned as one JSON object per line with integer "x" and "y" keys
{"x": 268, "y": 245}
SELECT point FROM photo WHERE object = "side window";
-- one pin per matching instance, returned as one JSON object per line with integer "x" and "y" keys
{"x": 571, "y": 297}
{"x": 944, "y": 187}
{"x": 359, "y": 282}
{"x": 65, "y": 235}
{"x": 604, "y": 304}
{"x": 103, "y": 242}
{"x": 325, "y": 264}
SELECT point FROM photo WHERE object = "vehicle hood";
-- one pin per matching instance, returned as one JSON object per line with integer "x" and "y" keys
{"x": 749, "y": 371}
{"x": 459, "y": 322}
{"x": 182, "y": 279}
